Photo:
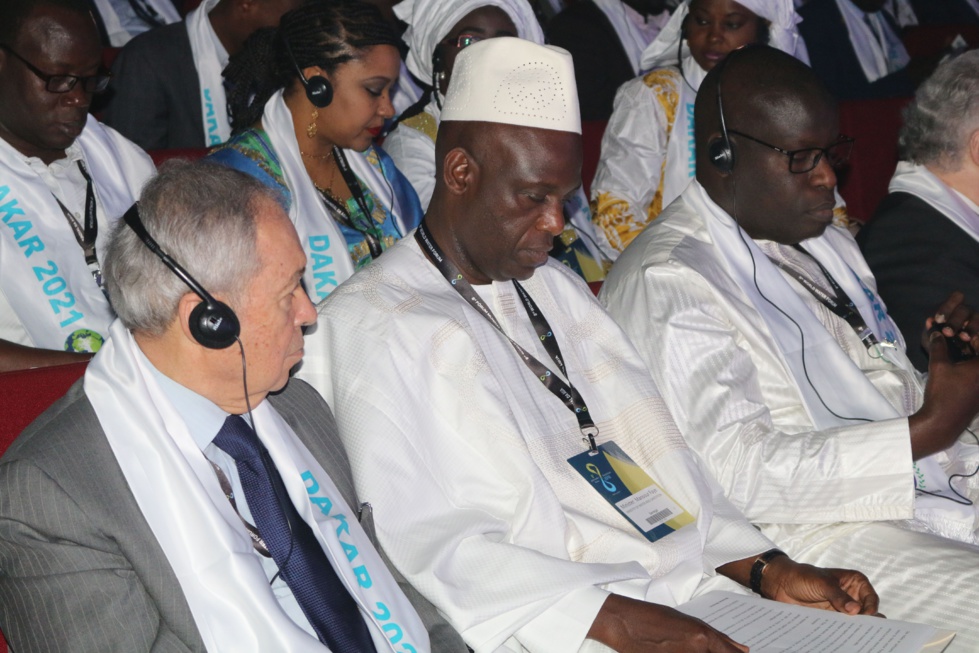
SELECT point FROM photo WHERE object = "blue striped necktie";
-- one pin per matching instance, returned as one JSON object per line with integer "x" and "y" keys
{"x": 304, "y": 566}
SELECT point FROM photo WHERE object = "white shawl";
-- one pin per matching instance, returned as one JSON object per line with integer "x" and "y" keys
{"x": 783, "y": 33}
{"x": 214, "y": 100}
{"x": 319, "y": 233}
{"x": 43, "y": 272}
{"x": 875, "y": 59}
{"x": 919, "y": 181}
{"x": 842, "y": 386}
{"x": 203, "y": 538}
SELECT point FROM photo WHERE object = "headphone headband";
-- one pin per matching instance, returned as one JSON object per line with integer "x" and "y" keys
{"x": 212, "y": 323}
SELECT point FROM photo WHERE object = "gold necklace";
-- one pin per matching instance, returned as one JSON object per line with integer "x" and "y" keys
{"x": 321, "y": 157}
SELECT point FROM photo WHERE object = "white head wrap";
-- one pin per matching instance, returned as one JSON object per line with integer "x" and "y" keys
{"x": 514, "y": 82}
{"x": 783, "y": 33}
{"x": 430, "y": 21}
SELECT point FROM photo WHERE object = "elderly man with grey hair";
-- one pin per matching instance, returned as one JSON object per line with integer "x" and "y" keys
{"x": 163, "y": 503}
{"x": 924, "y": 241}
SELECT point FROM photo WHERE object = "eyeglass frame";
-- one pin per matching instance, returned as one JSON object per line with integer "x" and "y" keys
{"x": 457, "y": 41}
{"x": 823, "y": 151}
{"x": 103, "y": 77}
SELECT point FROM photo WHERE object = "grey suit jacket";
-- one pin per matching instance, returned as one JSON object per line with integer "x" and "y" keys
{"x": 80, "y": 569}
{"x": 154, "y": 98}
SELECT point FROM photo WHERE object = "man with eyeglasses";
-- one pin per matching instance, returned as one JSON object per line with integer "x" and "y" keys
{"x": 64, "y": 180}
{"x": 761, "y": 324}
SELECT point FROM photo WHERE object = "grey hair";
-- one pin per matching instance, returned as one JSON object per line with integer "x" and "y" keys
{"x": 944, "y": 112}
{"x": 204, "y": 216}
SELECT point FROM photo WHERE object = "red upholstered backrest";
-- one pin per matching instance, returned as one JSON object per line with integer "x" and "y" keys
{"x": 25, "y": 394}
{"x": 875, "y": 125}
{"x": 591, "y": 150}
{"x": 929, "y": 40}
{"x": 191, "y": 153}
{"x": 186, "y": 7}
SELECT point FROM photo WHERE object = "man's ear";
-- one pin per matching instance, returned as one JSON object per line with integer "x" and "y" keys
{"x": 974, "y": 148}
{"x": 459, "y": 171}
{"x": 185, "y": 306}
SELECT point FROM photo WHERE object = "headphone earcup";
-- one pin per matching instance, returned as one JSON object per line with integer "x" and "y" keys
{"x": 319, "y": 91}
{"x": 721, "y": 154}
{"x": 214, "y": 327}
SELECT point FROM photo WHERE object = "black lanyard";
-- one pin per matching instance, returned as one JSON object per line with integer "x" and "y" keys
{"x": 353, "y": 185}
{"x": 839, "y": 303}
{"x": 564, "y": 391}
{"x": 87, "y": 233}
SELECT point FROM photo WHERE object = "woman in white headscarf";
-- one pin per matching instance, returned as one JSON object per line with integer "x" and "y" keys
{"x": 648, "y": 150}
{"x": 437, "y": 31}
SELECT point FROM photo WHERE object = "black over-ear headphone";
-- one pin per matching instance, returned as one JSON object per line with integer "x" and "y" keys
{"x": 319, "y": 90}
{"x": 212, "y": 323}
{"x": 720, "y": 151}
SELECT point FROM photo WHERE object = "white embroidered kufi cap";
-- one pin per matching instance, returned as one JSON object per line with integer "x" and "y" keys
{"x": 514, "y": 82}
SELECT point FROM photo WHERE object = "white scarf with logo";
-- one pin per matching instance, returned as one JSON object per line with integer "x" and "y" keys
{"x": 207, "y": 60}
{"x": 879, "y": 50}
{"x": 841, "y": 384}
{"x": 43, "y": 272}
{"x": 202, "y": 536}
{"x": 919, "y": 181}
{"x": 319, "y": 233}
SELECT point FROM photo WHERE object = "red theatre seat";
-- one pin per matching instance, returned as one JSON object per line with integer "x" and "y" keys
{"x": 26, "y": 394}
{"x": 930, "y": 40}
{"x": 191, "y": 153}
{"x": 875, "y": 125}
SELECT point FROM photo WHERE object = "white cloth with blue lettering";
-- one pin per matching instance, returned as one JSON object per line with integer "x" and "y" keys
{"x": 203, "y": 538}
{"x": 53, "y": 299}
{"x": 210, "y": 58}
{"x": 757, "y": 398}
{"x": 319, "y": 233}
{"x": 878, "y": 47}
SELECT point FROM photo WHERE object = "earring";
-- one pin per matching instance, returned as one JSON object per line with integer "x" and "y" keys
{"x": 311, "y": 128}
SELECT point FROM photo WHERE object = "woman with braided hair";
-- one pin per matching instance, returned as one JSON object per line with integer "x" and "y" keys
{"x": 307, "y": 100}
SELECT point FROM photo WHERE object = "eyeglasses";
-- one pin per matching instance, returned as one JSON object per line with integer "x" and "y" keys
{"x": 463, "y": 40}
{"x": 806, "y": 159}
{"x": 65, "y": 83}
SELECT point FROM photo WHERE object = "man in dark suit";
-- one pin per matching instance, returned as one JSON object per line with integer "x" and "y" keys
{"x": 834, "y": 57}
{"x": 163, "y": 504}
{"x": 156, "y": 89}
{"x": 923, "y": 242}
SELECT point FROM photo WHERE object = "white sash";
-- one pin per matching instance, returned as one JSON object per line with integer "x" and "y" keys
{"x": 214, "y": 101}
{"x": 681, "y": 159}
{"x": 902, "y": 12}
{"x": 329, "y": 259}
{"x": 842, "y": 384}
{"x": 876, "y": 59}
{"x": 43, "y": 272}
{"x": 203, "y": 538}
{"x": 118, "y": 35}
{"x": 920, "y": 182}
